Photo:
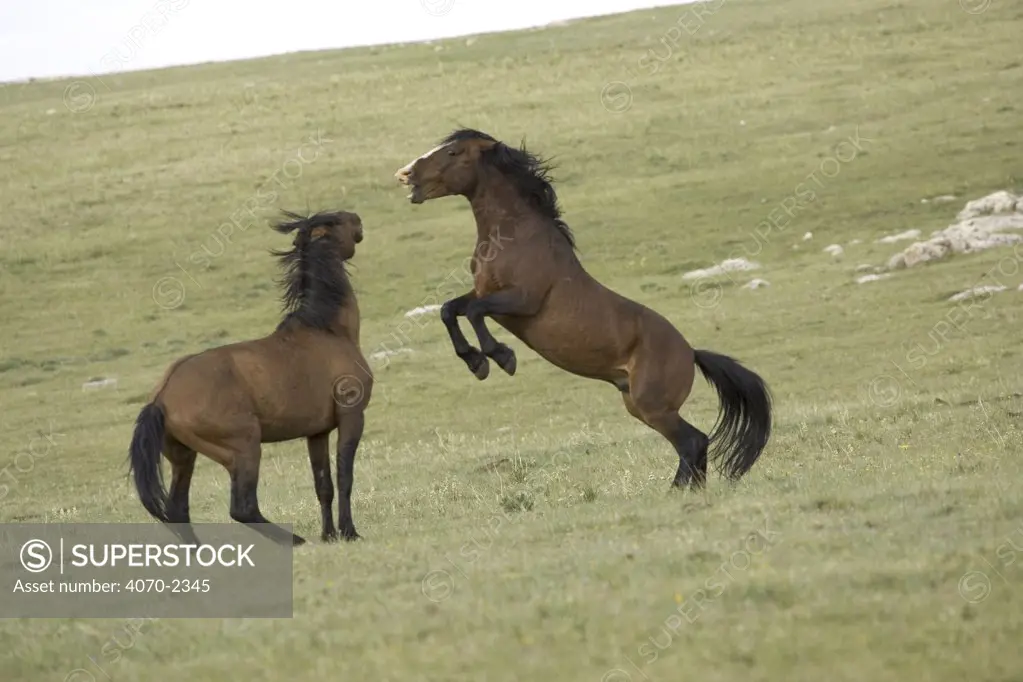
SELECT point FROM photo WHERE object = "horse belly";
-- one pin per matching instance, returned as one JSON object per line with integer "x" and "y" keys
{"x": 300, "y": 407}
{"x": 586, "y": 349}
{"x": 283, "y": 424}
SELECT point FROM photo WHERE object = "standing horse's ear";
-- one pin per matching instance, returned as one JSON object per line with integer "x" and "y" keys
{"x": 296, "y": 222}
{"x": 317, "y": 233}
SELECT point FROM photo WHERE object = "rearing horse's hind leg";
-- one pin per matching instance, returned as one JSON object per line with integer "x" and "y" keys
{"x": 182, "y": 460}
{"x": 473, "y": 358}
{"x": 244, "y": 503}
{"x": 689, "y": 442}
{"x": 691, "y": 445}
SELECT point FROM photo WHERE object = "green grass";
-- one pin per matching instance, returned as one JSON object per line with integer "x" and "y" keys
{"x": 537, "y": 511}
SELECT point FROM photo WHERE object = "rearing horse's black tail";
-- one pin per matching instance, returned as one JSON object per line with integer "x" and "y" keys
{"x": 745, "y": 422}
{"x": 144, "y": 460}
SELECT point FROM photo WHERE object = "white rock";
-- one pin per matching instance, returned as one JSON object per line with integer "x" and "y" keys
{"x": 983, "y": 224}
{"x": 834, "y": 249}
{"x": 970, "y": 236}
{"x": 422, "y": 310}
{"x": 727, "y": 265}
{"x": 871, "y": 278}
{"x": 977, "y": 291}
{"x": 902, "y": 236}
{"x": 865, "y": 267}
{"x": 98, "y": 383}
{"x": 998, "y": 202}
{"x": 380, "y": 355}
{"x": 854, "y": 242}
{"x": 808, "y": 236}
{"x": 756, "y": 283}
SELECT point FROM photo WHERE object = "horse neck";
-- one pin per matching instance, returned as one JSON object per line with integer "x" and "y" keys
{"x": 501, "y": 213}
{"x": 346, "y": 319}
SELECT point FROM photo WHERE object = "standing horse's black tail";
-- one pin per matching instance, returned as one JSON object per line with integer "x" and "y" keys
{"x": 144, "y": 460}
{"x": 745, "y": 422}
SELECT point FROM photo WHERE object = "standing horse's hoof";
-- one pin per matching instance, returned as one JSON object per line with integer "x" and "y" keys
{"x": 329, "y": 537}
{"x": 505, "y": 359}
{"x": 350, "y": 535}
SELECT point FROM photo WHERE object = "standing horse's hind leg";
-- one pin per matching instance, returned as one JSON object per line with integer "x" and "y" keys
{"x": 182, "y": 460}
{"x": 244, "y": 503}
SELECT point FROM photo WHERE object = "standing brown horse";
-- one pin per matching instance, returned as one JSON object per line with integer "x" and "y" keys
{"x": 302, "y": 381}
{"x": 528, "y": 279}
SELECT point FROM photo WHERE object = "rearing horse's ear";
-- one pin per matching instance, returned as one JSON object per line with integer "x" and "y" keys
{"x": 499, "y": 154}
{"x": 316, "y": 233}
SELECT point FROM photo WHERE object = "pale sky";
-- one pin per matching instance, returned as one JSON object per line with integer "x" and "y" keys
{"x": 48, "y": 38}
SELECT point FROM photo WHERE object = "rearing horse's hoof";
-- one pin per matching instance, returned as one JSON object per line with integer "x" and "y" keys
{"x": 482, "y": 368}
{"x": 505, "y": 359}
{"x": 693, "y": 483}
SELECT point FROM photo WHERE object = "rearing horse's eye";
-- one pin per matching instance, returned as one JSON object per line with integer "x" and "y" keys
{"x": 452, "y": 152}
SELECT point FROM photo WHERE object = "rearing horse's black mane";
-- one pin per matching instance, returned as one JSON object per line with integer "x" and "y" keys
{"x": 530, "y": 173}
{"x": 315, "y": 281}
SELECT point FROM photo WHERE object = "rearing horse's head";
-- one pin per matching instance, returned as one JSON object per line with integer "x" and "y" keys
{"x": 452, "y": 168}
{"x": 457, "y": 167}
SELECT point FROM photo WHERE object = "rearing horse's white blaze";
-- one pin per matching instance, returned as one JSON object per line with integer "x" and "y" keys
{"x": 403, "y": 173}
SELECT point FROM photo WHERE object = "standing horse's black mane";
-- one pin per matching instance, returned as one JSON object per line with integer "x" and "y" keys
{"x": 315, "y": 280}
{"x": 530, "y": 172}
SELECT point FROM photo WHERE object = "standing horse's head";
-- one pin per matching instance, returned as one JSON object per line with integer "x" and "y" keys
{"x": 452, "y": 168}
{"x": 343, "y": 228}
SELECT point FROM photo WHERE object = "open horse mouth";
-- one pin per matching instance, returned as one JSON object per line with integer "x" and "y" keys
{"x": 415, "y": 196}
{"x": 404, "y": 177}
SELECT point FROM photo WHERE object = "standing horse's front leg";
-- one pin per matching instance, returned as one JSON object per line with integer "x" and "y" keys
{"x": 515, "y": 302}
{"x": 449, "y": 313}
{"x": 349, "y": 433}
{"x": 319, "y": 458}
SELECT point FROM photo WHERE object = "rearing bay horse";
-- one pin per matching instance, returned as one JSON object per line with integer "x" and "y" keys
{"x": 528, "y": 279}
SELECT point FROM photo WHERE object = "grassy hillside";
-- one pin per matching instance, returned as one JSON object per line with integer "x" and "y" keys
{"x": 523, "y": 528}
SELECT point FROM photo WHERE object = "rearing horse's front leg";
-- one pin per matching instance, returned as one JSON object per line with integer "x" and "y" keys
{"x": 449, "y": 312}
{"x": 508, "y": 302}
